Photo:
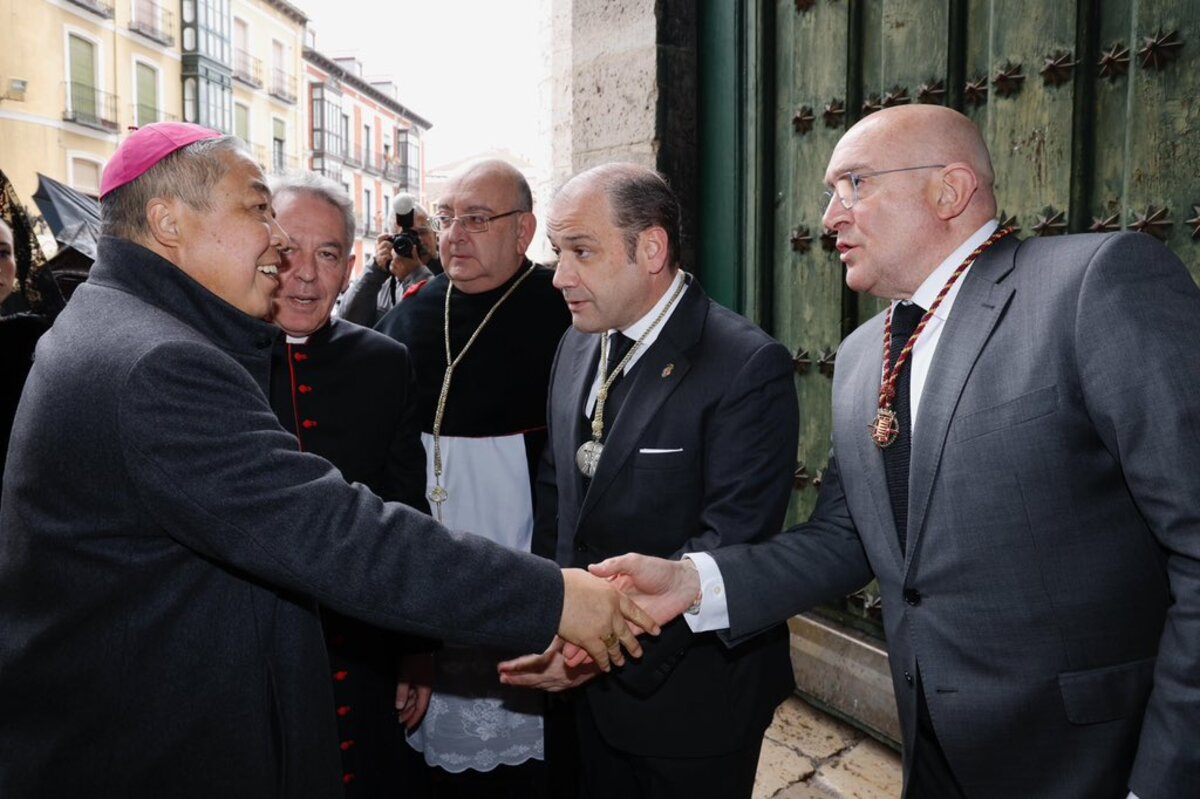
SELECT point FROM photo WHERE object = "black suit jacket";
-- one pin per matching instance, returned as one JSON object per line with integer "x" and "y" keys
{"x": 715, "y": 395}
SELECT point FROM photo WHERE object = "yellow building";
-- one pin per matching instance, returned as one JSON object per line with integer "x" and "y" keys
{"x": 76, "y": 75}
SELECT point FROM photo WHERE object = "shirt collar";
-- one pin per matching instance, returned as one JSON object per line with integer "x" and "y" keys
{"x": 927, "y": 292}
{"x": 639, "y": 327}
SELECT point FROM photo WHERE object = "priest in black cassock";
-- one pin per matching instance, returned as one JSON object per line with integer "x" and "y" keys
{"x": 496, "y": 320}
{"x": 346, "y": 392}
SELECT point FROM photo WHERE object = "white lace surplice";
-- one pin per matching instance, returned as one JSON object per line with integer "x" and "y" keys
{"x": 474, "y": 722}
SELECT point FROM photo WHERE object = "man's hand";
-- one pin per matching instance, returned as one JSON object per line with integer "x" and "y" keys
{"x": 387, "y": 259}
{"x": 547, "y": 672}
{"x": 383, "y": 251}
{"x": 664, "y": 588}
{"x": 597, "y": 618}
{"x": 414, "y": 686}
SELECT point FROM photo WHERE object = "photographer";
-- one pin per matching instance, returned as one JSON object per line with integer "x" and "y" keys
{"x": 403, "y": 257}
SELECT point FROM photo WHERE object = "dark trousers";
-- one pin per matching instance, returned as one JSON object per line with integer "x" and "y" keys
{"x": 607, "y": 772}
{"x": 931, "y": 776}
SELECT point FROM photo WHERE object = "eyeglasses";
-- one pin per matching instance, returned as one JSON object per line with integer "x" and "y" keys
{"x": 845, "y": 189}
{"x": 473, "y": 223}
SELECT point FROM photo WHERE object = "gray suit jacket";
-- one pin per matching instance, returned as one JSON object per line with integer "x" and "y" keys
{"x": 163, "y": 544}
{"x": 1051, "y": 589}
{"x": 714, "y": 395}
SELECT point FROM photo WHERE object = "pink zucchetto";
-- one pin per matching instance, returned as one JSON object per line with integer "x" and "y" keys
{"x": 145, "y": 147}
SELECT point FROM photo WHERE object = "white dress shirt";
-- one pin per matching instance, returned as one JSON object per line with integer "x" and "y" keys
{"x": 635, "y": 332}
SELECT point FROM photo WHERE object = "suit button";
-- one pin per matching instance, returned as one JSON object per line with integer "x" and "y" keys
{"x": 308, "y": 424}
{"x": 912, "y": 596}
{"x": 301, "y": 356}
{"x": 908, "y": 678}
{"x": 303, "y": 389}
{"x": 343, "y": 711}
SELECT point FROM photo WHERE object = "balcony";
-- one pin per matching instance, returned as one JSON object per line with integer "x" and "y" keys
{"x": 143, "y": 114}
{"x": 154, "y": 22}
{"x": 374, "y": 163}
{"x": 402, "y": 175}
{"x": 247, "y": 69}
{"x": 87, "y": 105}
{"x": 283, "y": 86}
{"x": 104, "y": 9}
{"x": 353, "y": 156}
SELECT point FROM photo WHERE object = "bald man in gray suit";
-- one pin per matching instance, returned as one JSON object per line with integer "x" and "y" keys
{"x": 1025, "y": 488}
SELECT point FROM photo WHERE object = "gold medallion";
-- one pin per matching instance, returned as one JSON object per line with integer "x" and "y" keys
{"x": 885, "y": 429}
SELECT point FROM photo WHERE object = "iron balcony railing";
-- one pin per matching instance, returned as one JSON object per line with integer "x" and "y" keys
{"x": 247, "y": 68}
{"x": 283, "y": 85}
{"x": 89, "y": 106}
{"x": 153, "y": 21}
{"x": 104, "y": 9}
{"x": 144, "y": 114}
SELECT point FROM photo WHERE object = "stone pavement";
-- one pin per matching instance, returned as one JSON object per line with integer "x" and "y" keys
{"x": 809, "y": 755}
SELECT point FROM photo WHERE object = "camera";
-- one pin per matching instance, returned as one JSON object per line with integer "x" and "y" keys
{"x": 406, "y": 243}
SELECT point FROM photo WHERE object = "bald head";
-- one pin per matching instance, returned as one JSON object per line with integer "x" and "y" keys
{"x": 919, "y": 183}
{"x": 500, "y": 173}
{"x": 498, "y": 192}
{"x": 926, "y": 134}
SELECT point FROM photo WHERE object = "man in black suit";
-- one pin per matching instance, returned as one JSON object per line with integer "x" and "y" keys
{"x": 347, "y": 394}
{"x": 685, "y": 440}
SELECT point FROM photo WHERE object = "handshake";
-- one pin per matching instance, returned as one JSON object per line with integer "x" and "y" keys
{"x": 603, "y": 612}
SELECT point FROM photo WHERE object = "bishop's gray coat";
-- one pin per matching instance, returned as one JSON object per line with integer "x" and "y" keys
{"x": 163, "y": 545}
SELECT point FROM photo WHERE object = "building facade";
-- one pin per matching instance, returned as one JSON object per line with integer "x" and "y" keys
{"x": 74, "y": 76}
{"x": 364, "y": 138}
{"x": 77, "y": 75}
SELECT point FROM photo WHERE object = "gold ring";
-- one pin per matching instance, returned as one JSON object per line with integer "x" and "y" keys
{"x": 610, "y": 640}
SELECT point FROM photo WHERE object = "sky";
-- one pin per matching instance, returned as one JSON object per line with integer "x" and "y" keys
{"x": 471, "y": 67}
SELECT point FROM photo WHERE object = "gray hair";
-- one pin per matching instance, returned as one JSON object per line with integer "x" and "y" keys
{"x": 322, "y": 188}
{"x": 189, "y": 174}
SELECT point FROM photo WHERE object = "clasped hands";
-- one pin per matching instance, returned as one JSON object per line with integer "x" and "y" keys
{"x": 638, "y": 592}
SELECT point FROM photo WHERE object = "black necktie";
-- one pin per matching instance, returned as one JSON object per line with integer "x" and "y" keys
{"x": 618, "y": 347}
{"x": 895, "y": 457}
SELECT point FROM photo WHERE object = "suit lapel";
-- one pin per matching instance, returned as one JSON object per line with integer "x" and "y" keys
{"x": 862, "y": 375}
{"x": 652, "y": 384}
{"x": 583, "y": 350}
{"x": 977, "y": 309}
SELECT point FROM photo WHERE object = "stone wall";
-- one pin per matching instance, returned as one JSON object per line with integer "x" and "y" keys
{"x": 623, "y": 88}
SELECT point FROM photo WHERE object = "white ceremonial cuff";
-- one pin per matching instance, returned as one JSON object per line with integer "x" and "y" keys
{"x": 1132, "y": 795}
{"x": 714, "y": 612}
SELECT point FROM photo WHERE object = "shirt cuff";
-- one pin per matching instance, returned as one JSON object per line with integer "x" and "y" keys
{"x": 714, "y": 612}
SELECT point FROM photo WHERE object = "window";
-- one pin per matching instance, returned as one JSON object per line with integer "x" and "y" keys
{"x": 278, "y": 145}
{"x": 146, "y": 91}
{"x": 241, "y": 122}
{"x": 207, "y": 78}
{"x": 85, "y": 176}
{"x": 81, "y": 97}
{"x": 408, "y": 149}
{"x": 367, "y": 147}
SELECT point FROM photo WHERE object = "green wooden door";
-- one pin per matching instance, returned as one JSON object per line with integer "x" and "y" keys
{"x": 1091, "y": 109}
